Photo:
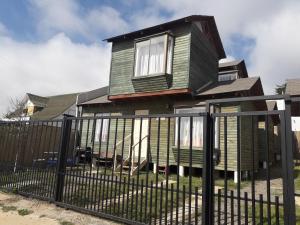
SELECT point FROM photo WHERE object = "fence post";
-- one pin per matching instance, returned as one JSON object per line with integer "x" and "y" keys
{"x": 62, "y": 158}
{"x": 208, "y": 168}
{"x": 288, "y": 166}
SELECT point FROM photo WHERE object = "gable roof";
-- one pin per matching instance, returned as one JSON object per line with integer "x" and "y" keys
{"x": 293, "y": 87}
{"x": 235, "y": 65}
{"x": 90, "y": 95}
{"x": 238, "y": 85}
{"x": 271, "y": 105}
{"x": 230, "y": 63}
{"x": 37, "y": 100}
{"x": 211, "y": 31}
{"x": 97, "y": 96}
{"x": 56, "y": 106}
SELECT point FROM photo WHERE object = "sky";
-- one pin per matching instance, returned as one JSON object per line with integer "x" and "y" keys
{"x": 50, "y": 47}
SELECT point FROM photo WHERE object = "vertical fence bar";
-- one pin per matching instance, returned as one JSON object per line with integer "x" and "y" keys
{"x": 253, "y": 173}
{"x": 167, "y": 172}
{"x": 232, "y": 207}
{"x": 225, "y": 170}
{"x": 190, "y": 170}
{"x": 62, "y": 157}
{"x": 239, "y": 169}
{"x": 268, "y": 170}
{"x": 288, "y": 166}
{"x": 157, "y": 168}
{"x": 208, "y": 187}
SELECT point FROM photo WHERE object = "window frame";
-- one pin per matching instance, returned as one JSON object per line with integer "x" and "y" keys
{"x": 228, "y": 73}
{"x": 166, "y": 48}
{"x": 100, "y": 139}
{"x": 203, "y": 107}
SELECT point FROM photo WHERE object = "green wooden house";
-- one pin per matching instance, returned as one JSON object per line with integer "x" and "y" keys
{"x": 168, "y": 69}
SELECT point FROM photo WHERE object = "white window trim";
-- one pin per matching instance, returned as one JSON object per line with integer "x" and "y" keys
{"x": 201, "y": 109}
{"x": 166, "y": 48}
{"x": 97, "y": 137}
{"x": 233, "y": 76}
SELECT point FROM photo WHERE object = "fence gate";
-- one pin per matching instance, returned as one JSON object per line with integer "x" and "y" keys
{"x": 195, "y": 168}
{"x": 250, "y": 168}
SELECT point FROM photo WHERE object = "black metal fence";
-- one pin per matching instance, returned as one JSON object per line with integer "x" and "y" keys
{"x": 219, "y": 168}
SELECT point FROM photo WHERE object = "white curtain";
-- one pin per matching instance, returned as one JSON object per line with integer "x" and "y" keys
{"x": 170, "y": 54}
{"x": 142, "y": 58}
{"x": 104, "y": 128}
{"x": 197, "y": 135}
{"x": 156, "y": 62}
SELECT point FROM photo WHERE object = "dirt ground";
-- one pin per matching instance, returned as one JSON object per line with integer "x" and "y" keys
{"x": 39, "y": 212}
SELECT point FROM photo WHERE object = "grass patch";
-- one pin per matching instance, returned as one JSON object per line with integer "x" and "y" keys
{"x": 297, "y": 178}
{"x": 24, "y": 212}
{"x": 66, "y": 223}
{"x": 8, "y": 208}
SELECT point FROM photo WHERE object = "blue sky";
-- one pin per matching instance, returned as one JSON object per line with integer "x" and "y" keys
{"x": 55, "y": 46}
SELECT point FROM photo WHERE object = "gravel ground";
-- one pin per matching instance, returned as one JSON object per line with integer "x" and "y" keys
{"x": 41, "y": 213}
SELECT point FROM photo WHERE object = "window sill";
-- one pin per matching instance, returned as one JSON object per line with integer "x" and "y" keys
{"x": 153, "y": 82}
{"x": 187, "y": 148}
{"x": 150, "y": 76}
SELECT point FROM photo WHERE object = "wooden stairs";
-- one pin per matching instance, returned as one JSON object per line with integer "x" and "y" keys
{"x": 132, "y": 166}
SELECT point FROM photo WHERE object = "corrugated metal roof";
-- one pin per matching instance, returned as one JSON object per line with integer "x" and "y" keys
{"x": 242, "y": 84}
{"x": 293, "y": 87}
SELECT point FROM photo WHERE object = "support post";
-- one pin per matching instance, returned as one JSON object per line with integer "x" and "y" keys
{"x": 181, "y": 171}
{"x": 208, "y": 168}
{"x": 288, "y": 165}
{"x": 62, "y": 158}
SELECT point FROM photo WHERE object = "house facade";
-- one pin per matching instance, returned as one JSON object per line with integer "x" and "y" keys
{"x": 172, "y": 68}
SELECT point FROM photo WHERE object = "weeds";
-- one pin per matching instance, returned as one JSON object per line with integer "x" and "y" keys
{"x": 8, "y": 208}
{"x": 24, "y": 212}
{"x": 66, "y": 223}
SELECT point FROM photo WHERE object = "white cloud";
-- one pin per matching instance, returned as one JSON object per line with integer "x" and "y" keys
{"x": 69, "y": 17}
{"x": 271, "y": 24}
{"x": 56, "y": 66}
{"x": 106, "y": 19}
{"x": 277, "y": 51}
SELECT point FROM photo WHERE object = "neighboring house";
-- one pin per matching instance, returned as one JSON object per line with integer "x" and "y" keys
{"x": 168, "y": 69}
{"x": 293, "y": 89}
{"x": 49, "y": 108}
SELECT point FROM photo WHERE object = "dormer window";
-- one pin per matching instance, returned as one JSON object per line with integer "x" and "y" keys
{"x": 153, "y": 56}
{"x": 227, "y": 76}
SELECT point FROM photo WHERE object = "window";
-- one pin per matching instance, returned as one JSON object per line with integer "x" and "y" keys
{"x": 197, "y": 135}
{"x": 104, "y": 128}
{"x": 227, "y": 76}
{"x": 154, "y": 56}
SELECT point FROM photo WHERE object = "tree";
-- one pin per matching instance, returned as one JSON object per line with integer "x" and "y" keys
{"x": 15, "y": 109}
{"x": 280, "y": 89}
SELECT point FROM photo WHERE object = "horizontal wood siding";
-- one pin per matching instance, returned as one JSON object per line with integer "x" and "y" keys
{"x": 231, "y": 139}
{"x": 122, "y": 65}
{"x": 203, "y": 60}
{"x": 157, "y": 108}
{"x": 152, "y": 83}
{"x": 247, "y": 142}
{"x": 197, "y": 154}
